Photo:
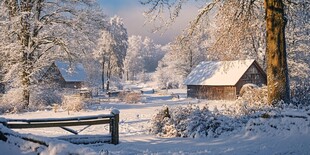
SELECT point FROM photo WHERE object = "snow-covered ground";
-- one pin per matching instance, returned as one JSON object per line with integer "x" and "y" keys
{"x": 136, "y": 139}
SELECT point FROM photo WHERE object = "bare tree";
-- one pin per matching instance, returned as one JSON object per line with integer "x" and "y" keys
{"x": 119, "y": 34}
{"x": 134, "y": 58}
{"x": 33, "y": 32}
{"x": 242, "y": 12}
{"x": 111, "y": 49}
{"x": 104, "y": 52}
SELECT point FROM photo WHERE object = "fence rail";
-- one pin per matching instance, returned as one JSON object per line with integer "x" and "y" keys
{"x": 111, "y": 119}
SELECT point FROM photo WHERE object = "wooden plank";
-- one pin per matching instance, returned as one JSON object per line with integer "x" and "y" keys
{"x": 62, "y": 119}
{"x": 69, "y": 130}
{"x": 56, "y": 124}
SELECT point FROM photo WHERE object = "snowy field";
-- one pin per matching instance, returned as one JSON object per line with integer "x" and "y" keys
{"x": 136, "y": 139}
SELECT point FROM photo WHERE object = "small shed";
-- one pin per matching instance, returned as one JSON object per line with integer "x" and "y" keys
{"x": 222, "y": 80}
{"x": 67, "y": 75}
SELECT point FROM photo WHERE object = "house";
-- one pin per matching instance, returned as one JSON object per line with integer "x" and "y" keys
{"x": 67, "y": 75}
{"x": 222, "y": 80}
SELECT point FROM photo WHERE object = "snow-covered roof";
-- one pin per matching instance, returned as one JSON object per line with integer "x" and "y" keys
{"x": 71, "y": 73}
{"x": 218, "y": 73}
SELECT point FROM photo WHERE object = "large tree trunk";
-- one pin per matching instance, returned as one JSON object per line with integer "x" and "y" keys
{"x": 277, "y": 72}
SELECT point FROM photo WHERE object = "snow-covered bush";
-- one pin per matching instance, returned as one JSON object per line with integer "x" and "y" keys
{"x": 252, "y": 93}
{"x": 45, "y": 95}
{"x": 121, "y": 96}
{"x": 195, "y": 122}
{"x": 250, "y": 113}
{"x": 72, "y": 103}
{"x": 211, "y": 124}
{"x": 286, "y": 120}
{"x": 252, "y": 99}
{"x": 12, "y": 101}
{"x": 191, "y": 121}
{"x": 131, "y": 97}
{"x": 40, "y": 97}
{"x": 170, "y": 123}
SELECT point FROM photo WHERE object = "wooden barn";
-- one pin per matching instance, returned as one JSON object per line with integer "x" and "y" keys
{"x": 65, "y": 74}
{"x": 222, "y": 80}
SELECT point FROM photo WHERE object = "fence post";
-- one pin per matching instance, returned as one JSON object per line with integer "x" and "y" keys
{"x": 114, "y": 126}
{"x": 3, "y": 121}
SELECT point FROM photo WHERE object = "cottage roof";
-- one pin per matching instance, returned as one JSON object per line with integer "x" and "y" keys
{"x": 73, "y": 72}
{"x": 218, "y": 73}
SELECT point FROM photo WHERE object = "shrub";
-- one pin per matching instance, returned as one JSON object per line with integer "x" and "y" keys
{"x": 132, "y": 97}
{"x": 12, "y": 101}
{"x": 45, "y": 96}
{"x": 252, "y": 98}
{"x": 191, "y": 121}
{"x": 195, "y": 122}
{"x": 129, "y": 97}
{"x": 252, "y": 93}
{"x": 72, "y": 103}
{"x": 172, "y": 126}
{"x": 40, "y": 97}
{"x": 122, "y": 95}
{"x": 251, "y": 114}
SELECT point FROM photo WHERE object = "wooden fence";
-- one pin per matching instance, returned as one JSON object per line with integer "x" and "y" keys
{"x": 112, "y": 119}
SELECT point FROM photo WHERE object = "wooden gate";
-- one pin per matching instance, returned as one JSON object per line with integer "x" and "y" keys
{"x": 112, "y": 119}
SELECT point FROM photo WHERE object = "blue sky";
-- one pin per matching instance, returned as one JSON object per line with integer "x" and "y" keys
{"x": 131, "y": 12}
{"x": 116, "y": 5}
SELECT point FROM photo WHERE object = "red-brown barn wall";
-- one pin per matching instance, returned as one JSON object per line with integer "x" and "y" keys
{"x": 212, "y": 92}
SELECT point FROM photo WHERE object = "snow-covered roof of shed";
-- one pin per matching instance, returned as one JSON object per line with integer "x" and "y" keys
{"x": 218, "y": 73}
{"x": 71, "y": 73}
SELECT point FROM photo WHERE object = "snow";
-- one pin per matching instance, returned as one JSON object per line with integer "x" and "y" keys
{"x": 74, "y": 72}
{"x": 218, "y": 73}
{"x": 2, "y": 120}
{"x": 11, "y": 149}
{"x": 115, "y": 111}
{"x": 292, "y": 137}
